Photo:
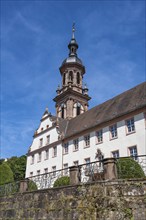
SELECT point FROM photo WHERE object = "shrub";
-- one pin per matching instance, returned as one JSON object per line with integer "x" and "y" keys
{"x": 32, "y": 186}
{"x": 62, "y": 181}
{"x": 129, "y": 168}
{"x": 6, "y": 174}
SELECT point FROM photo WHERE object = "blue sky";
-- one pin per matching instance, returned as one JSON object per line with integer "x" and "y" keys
{"x": 34, "y": 39}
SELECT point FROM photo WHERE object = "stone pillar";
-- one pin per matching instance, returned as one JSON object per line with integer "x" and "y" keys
{"x": 74, "y": 175}
{"x": 23, "y": 185}
{"x": 110, "y": 169}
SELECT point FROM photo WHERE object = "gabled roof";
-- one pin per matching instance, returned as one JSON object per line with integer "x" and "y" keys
{"x": 120, "y": 105}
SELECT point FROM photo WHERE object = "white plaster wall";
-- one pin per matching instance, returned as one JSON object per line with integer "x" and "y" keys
{"x": 122, "y": 143}
{"x": 43, "y": 164}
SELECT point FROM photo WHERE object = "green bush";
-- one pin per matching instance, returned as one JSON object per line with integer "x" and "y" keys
{"x": 62, "y": 181}
{"x": 6, "y": 174}
{"x": 32, "y": 186}
{"x": 129, "y": 168}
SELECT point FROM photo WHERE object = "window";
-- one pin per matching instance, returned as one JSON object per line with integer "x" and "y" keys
{"x": 47, "y": 154}
{"x": 66, "y": 148}
{"x": 48, "y": 139}
{"x": 38, "y": 172}
{"x": 39, "y": 157}
{"x": 32, "y": 159}
{"x": 133, "y": 152}
{"x": 71, "y": 75}
{"x": 87, "y": 140}
{"x": 46, "y": 170}
{"x": 65, "y": 167}
{"x": 113, "y": 131}
{"x": 54, "y": 170}
{"x": 55, "y": 151}
{"x": 76, "y": 146}
{"x": 87, "y": 161}
{"x": 130, "y": 125}
{"x": 31, "y": 174}
{"x": 78, "y": 108}
{"x": 76, "y": 163}
{"x": 41, "y": 142}
{"x": 99, "y": 136}
{"x": 115, "y": 154}
{"x": 62, "y": 112}
{"x": 78, "y": 78}
{"x": 64, "y": 79}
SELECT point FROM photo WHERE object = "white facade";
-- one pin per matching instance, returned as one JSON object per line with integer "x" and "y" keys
{"x": 125, "y": 143}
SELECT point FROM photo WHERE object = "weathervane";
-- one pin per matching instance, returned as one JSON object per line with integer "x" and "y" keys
{"x": 73, "y": 30}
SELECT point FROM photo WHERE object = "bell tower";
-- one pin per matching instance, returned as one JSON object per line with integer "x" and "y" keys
{"x": 72, "y": 97}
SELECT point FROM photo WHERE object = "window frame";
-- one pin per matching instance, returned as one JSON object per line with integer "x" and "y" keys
{"x": 131, "y": 127}
{"x": 133, "y": 148}
{"x": 113, "y": 131}
{"x": 39, "y": 157}
{"x": 76, "y": 163}
{"x": 47, "y": 154}
{"x": 86, "y": 140}
{"x": 40, "y": 142}
{"x": 66, "y": 148}
{"x": 54, "y": 154}
{"x": 99, "y": 136}
{"x": 114, "y": 152}
{"x": 76, "y": 144}
{"x": 47, "y": 139}
{"x": 32, "y": 159}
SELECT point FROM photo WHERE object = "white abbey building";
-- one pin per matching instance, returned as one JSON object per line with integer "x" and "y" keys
{"x": 117, "y": 127}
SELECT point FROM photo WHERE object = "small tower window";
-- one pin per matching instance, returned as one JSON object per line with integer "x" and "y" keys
{"x": 78, "y": 78}
{"x": 78, "y": 109}
{"x": 71, "y": 75}
{"x": 62, "y": 111}
{"x": 64, "y": 79}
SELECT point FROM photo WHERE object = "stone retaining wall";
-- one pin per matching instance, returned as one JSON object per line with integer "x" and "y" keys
{"x": 106, "y": 200}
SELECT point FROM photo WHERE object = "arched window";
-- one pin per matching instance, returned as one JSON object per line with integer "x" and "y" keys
{"x": 78, "y": 78}
{"x": 78, "y": 108}
{"x": 71, "y": 75}
{"x": 64, "y": 79}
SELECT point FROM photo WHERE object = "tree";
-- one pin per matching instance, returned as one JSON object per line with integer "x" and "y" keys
{"x": 1, "y": 161}
{"x": 18, "y": 166}
{"x": 129, "y": 168}
{"x": 6, "y": 174}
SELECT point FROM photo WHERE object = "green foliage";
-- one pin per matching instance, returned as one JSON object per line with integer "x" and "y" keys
{"x": 62, "y": 181}
{"x": 32, "y": 186}
{"x": 1, "y": 161}
{"x": 129, "y": 168}
{"x": 6, "y": 174}
{"x": 18, "y": 166}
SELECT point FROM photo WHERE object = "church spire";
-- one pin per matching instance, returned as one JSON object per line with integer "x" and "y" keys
{"x": 73, "y": 46}
{"x": 73, "y": 31}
